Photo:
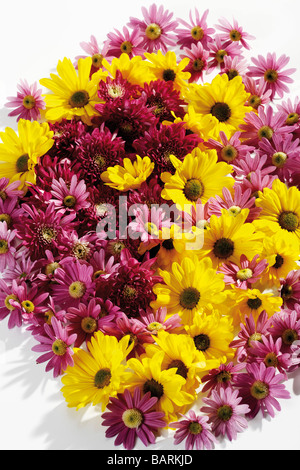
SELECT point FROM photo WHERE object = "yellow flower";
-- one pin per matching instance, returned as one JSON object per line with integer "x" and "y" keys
{"x": 228, "y": 237}
{"x": 243, "y": 302}
{"x": 221, "y": 104}
{"x": 165, "y": 67}
{"x": 280, "y": 210}
{"x": 191, "y": 286}
{"x": 166, "y": 385}
{"x": 199, "y": 176}
{"x": 192, "y": 121}
{"x": 19, "y": 153}
{"x": 130, "y": 175}
{"x": 97, "y": 374}
{"x": 133, "y": 70}
{"x": 74, "y": 94}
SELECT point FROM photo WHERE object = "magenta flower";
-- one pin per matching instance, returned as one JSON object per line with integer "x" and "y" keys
{"x": 130, "y": 417}
{"x": 195, "y": 32}
{"x": 235, "y": 203}
{"x": 56, "y": 344}
{"x": 244, "y": 275}
{"x": 195, "y": 430}
{"x": 250, "y": 164}
{"x": 233, "y": 33}
{"x": 157, "y": 28}
{"x": 272, "y": 71}
{"x": 28, "y": 103}
{"x": 83, "y": 321}
{"x": 163, "y": 100}
{"x": 291, "y": 110}
{"x": 93, "y": 50}
{"x": 148, "y": 223}
{"x": 231, "y": 149}
{"x": 104, "y": 266}
{"x": 10, "y": 211}
{"x": 198, "y": 61}
{"x": 29, "y": 300}
{"x": 9, "y": 190}
{"x": 222, "y": 377}
{"x": 8, "y": 295}
{"x": 218, "y": 50}
{"x": 125, "y": 42}
{"x": 71, "y": 197}
{"x": 259, "y": 95}
{"x": 269, "y": 352}
{"x": 290, "y": 289}
{"x": 234, "y": 67}
{"x": 7, "y": 248}
{"x": 226, "y": 412}
{"x": 156, "y": 321}
{"x": 23, "y": 270}
{"x": 260, "y": 387}
{"x": 286, "y": 326}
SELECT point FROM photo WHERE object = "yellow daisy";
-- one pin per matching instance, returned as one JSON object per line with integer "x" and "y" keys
{"x": 191, "y": 122}
{"x": 134, "y": 70}
{"x": 221, "y": 104}
{"x": 129, "y": 176}
{"x": 280, "y": 210}
{"x": 19, "y": 153}
{"x": 74, "y": 94}
{"x": 199, "y": 176}
{"x": 97, "y": 374}
{"x": 165, "y": 67}
{"x": 228, "y": 237}
{"x": 191, "y": 286}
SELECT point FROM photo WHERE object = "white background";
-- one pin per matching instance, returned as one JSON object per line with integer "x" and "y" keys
{"x": 34, "y": 35}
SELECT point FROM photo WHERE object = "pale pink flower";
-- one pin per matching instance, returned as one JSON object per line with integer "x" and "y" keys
{"x": 28, "y": 103}
{"x": 195, "y": 32}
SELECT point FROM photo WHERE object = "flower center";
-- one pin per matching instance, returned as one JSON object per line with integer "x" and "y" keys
{"x": 195, "y": 428}
{"x": 102, "y": 378}
{"x": 224, "y": 376}
{"x": 229, "y": 153}
{"x": 197, "y": 33}
{"x": 271, "y": 360}
{"x": 221, "y": 111}
{"x": 51, "y": 268}
{"x": 28, "y": 306}
{"x": 22, "y": 163}
{"x": 202, "y": 342}
{"x": 100, "y": 161}
{"x": 265, "y": 132}
{"x": 244, "y": 274}
{"x": 48, "y": 234}
{"x": 97, "y": 274}
{"x": 132, "y": 418}
{"x": 69, "y": 201}
{"x": 79, "y": 99}
{"x": 235, "y": 35}
{"x": 126, "y": 47}
{"x": 129, "y": 292}
{"x": 168, "y": 244}
{"x": 59, "y": 347}
{"x": 7, "y": 303}
{"x": 3, "y": 195}
{"x": 255, "y": 303}
{"x": 88, "y": 324}
{"x": 292, "y": 118}
{"x": 180, "y": 366}
{"x": 155, "y": 326}
{"x": 234, "y": 210}
{"x": 47, "y": 316}
{"x": 289, "y": 336}
{"x": 97, "y": 60}
{"x": 232, "y": 73}
{"x": 81, "y": 251}
{"x": 224, "y": 412}
{"x": 169, "y": 75}
{"x": 189, "y": 298}
{"x": 193, "y": 189}
{"x": 28, "y": 102}
{"x": 153, "y": 31}
{"x": 259, "y": 390}
{"x": 154, "y": 387}
{"x": 286, "y": 292}
{"x": 254, "y": 101}
{"x": 271, "y": 76}
{"x": 220, "y": 56}
{"x": 255, "y": 337}
{"x": 3, "y": 247}
{"x": 223, "y": 248}
{"x": 288, "y": 221}
{"x": 279, "y": 159}
{"x": 77, "y": 289}
{"x": 279, "y": 260}
{"x": 198, "y": 65}
{"x": 117, "y": 247}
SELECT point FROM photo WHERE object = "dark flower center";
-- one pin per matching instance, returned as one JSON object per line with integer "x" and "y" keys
{"x": 289, "y": 336}
{"x": 270, "y": 76}
{"x": 221, "y": 111}
{"x": 126, "y": 47}
{"x": 195, "y": 427}
{"x": 97, "y": 60}
{"x": 292, "y": 118}
{"x": 79, "y": 99}
{"x": 102, "y": 378}
{"x": 224, "y": 412}
{"x": 259, "y": 390}
{"x": 59, "y": 347}
{"x": 288, "y": 221}
{"x": 22, "y": 163}
{"x": 169, "y": 75}
{"x": 229, "y": 153}
{"x": 235, "y": 35}
{"x": 254, "y": 101}
{"x": 180, "y": 366}
{"x": 278, "y": 262}
{"x": 168, "y": 244}
{"x": 198, "y": 65}
{"x": 286, "y": 291}
{"x": 223, "y": 376}
{"x": 155, "y": 388}
{"x": 271, "y": 360}
{"x": 197, "y": 33}
{"x": 202, "y": 342}
{"x": 88, "y": 324}
{"x": 189, "y": 298}
{"x": 232, "y": 73}
{"x": 223, "y": 248}
{"x": 193, "y": 189}
{"x": 265, "y": 132}
{"x": 254, "y": 304}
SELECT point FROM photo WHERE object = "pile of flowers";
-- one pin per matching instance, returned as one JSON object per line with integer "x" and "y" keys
{"x": 150, "y": 227}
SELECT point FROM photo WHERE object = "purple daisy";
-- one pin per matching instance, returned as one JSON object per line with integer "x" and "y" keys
{"x": 259, "y": 95}
{"x": 28, "y": 103}
{"x": 125, "y": 42}
{"x": 56, "y": 344}
{"x": 71, "y": 197}
{"x": 8, "y": 295}
{"x": 9, "y": 190}
{"x": 195, "y": 32}
{"x": 218, "y": 50}
{"x": 156, "y": 321}
{"x": 234, "y": 204}
{"x": 93, "y": 50}
{"x": 260, "y": 387}
{"x": 291, "y": 110}
{"x": 244, "y": 275}
{"x": 130, "y": 417}
{"x": 222, "y": 377}
{"x": 269, "y": 351}
{"x": 226, "y": 412}
{"x": 197, "y": 65}
{"x": 83, "y": 321}
{"x": 30, "y": 300}
{"x": 7, "y": 248}
{"x": 10, "y": 211}
{"x": 195, "y": 430}
{"x": 230, "y": 150}
{"x": 290, "y": 289}
{"x": 286, "y": 326}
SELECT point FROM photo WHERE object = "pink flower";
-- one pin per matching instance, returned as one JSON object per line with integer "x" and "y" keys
{"x": 226, "y": 412}
{"x": 30, "y": 300}
{"x": 10, "y": 211}
{"x": 156, "y": 321}
{"x": 8, "y": 295}
{"x": 126, "y": 42}
{"x": 198, "y": 61}
{"x": 244, "y": 275}
{"x": 291, "y": 110}
{"x": 234, "y": 204}
{"x": 104, "y": 266}
{"x": 195, "y": 430}
{"x": 7, "y": 248}
{"x": 71, "y": 197}
{"x": 148, "y": 223}
{"x": 157, "y": 28}
{"x": 56, "y": 344}
{"x": 9, "y": 190}
{"x": 218, "y": 50}
{"x": 93, "y": 50}
{"x": 83, "y": 321}
{"x": 272, "y": 71}
{"x": 230, "y": 149}
{"x": 250, "y": 164}
{"x": 259, "y": 95}
{"x": 286, "y": 327}
{"x": 28, "y": 103}
{"x": 24, "y": 269}
{"x": 195, "y": 32}
{"x": 233, "y": 32}
{"x": 260, "y": 387}
{"x": 131, "y": 417}
{"x": 269, "y": 352}
{"x": 222, "y": 377}
{"x": 234, "y": 67}
{"x": 290, "y": 289}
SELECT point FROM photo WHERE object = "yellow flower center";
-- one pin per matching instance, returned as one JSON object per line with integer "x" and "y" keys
{"x": 81, "y": 251}
{"x": 88, "y": 324}
{"x": 221, "y": 111}
{"x": 265, "y": 132}
{"x": 224, "y": 412}
{"x": 22, "y": 163}
{"x": 102, "y": 378}
{"x": 271, "y": 360}
{"x": 79, "y": 99}
{"x": 129, "y": 292}
{"x": 255, "y": 337}
{"x": 28, "y": 306}
{"x": 48, "y": 234}
{"x": 3, "y": 247}
{"x": 126, "y": 47}
{"x": 77, "y": 289}
{"x": 193, "y": 189}
{"x": 254, "y": 101}
{"x": 292, "y": 118}
{"x": 271, "y": 76}
{"x": 244, "y": 274}
{"x": 132, "y": 418}
{"x": 234, "y": 210}
{"x": 153, "y": 31}
{"x": 235, "y": 35}
{"x": 97, "y": 60}
{"x": 97, "y": 274}
{"x": 59, "y": 347}
{"x": 279, "y": 159}
{"x": 195, "y": 428}
{"x": 220, "y": 56}
{"x": 154, "y": 327}
{"x": 28, "y": 102}
{"x": 197, "y": 33}
{"x": 7, "y": 303}
{"x": 288, "y": 221}
{"x": 259, "y": 390}
{"x": 51, "y": 268}
{"x": 189, "y": 298}
{"x": 69, "y": 201}
{"x": 151, "y": 228}
{"x": 48, "y": 315}
{"x": 229, "y": 153}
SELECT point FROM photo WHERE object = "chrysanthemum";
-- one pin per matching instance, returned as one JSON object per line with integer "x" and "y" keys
{"x": 157, "y": 28}
{"x": 20, "y": 153}
{"x": 92, "y": 49}
{"x": 24, "y": 269}
{"x": 73, "y": 92}
{"x": 10, "y": 211}
{"x": 260, "y": 387}
{"x": 286, "y": 325}
{"x": 163, "y": 100}
{"x": 195, "y": 32}
{"x": 226, "y": 412}
{"x": 250, "y": 165}
{"x": 128, "y": 42}
{"x": 234, "y": 203}
{"x": 222, "y": 377}
{"x": 166, "y": 67}
{"x": 129, "y": 176}
{"x": 244, "y": 302}
{"x": 56, "y": 344}
{"x": 166, "y": 385}
{"x": 8, "y": 307}
{"x": 29, "y": 300}
{"x": 229, "y": 150}
{"x": 234, "y": 67}
{"x": 280, "y": 210}
{"x": 291, "y": 110}
{"x": 197, "y": 61}
{"x": 199, "y": 176}
{"x": 189, "y": 287}
{"x": 83, "y": 321}
{"x": 220, "y": 104}
{"x": 28, "y": 103}
{"x": 66, "y": 133}
{"x": 245, "y": 274}
{"x": 259, "y": 95}
{"x": 131, "y": 417}
{"x": 71, "y": 197}
{"x": 98, "y": 373}
{"x": 228, "y": 237}
{"x": 233, "y": 32}
{"x": 157, "y": 320}
{"x": 195, "y": 430}
{"x": 7, "y": 247}
{"x": 273, "y": 72}
{"x": 148, "y": 223}
{"x": 9, "y": 190}
{"x": 290, "y": 289}
{"x": 269, "y": 352}
{"x": 220, "y": 49}
{"x": 103, "y": 264}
